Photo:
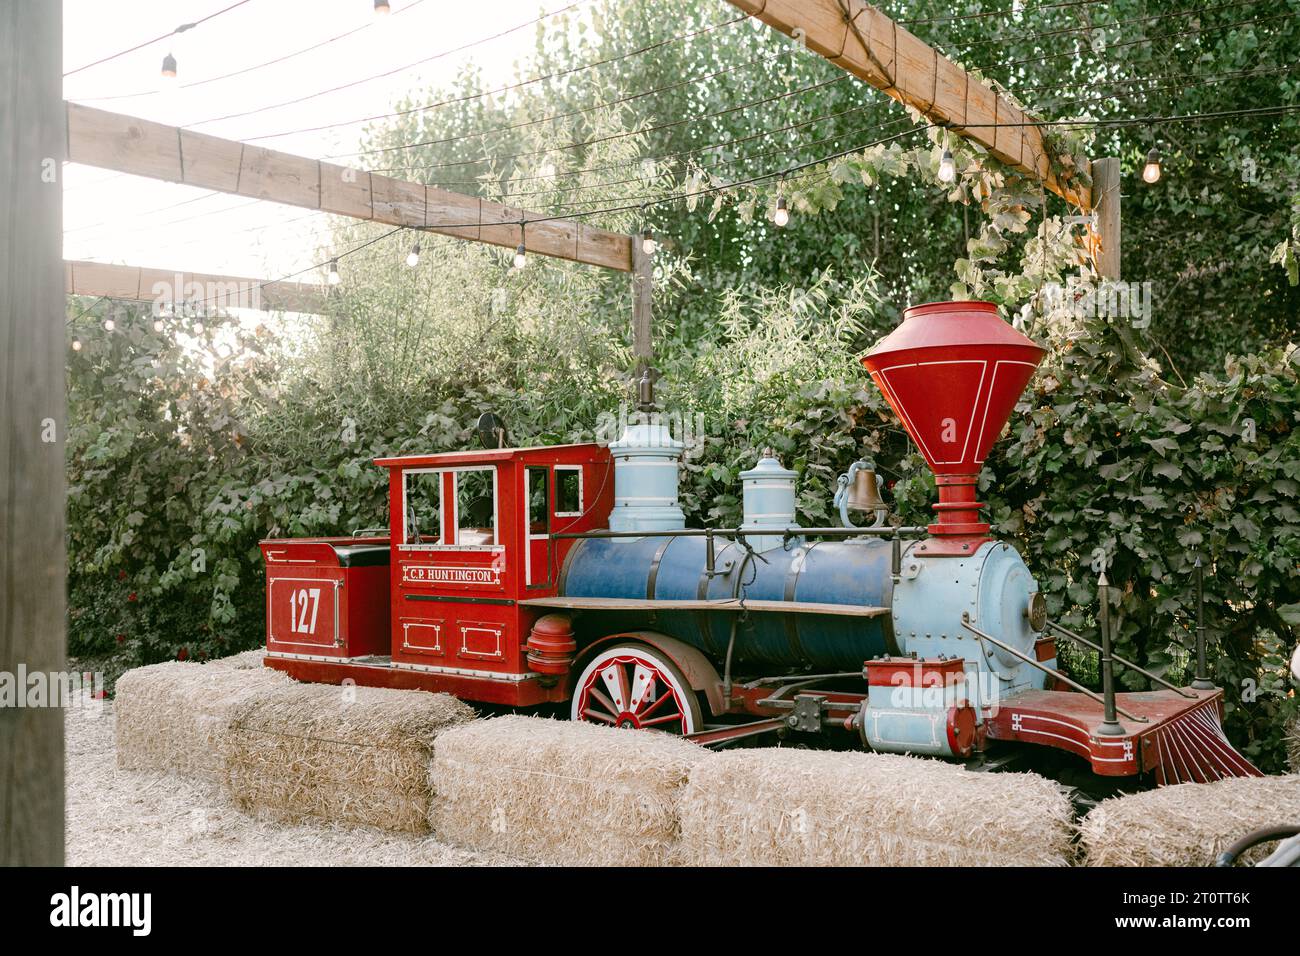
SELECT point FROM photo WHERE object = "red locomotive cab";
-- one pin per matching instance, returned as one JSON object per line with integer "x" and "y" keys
{"x": 472, "y": 539}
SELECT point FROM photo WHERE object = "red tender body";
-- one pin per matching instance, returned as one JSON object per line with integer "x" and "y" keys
{"x": 327, "y": 596}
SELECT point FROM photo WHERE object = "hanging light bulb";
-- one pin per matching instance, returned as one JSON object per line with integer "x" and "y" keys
{"x": 76, "y": 344}
{"x": 198, "y": 328}
{"x": 648, "y": 244}
{"x": 169, "y": 69}
{"x": 334, "y": 277}
{"x": 782, "y": 216}
{"x": 947, "y": 168}
{"x": 521, "y": 256}
{"x": 109, "y": 325}
{"x": 1151, "y": 171}
{"x": 158, "y": 325}
{"x": 382, "y": 8}
{"x": 413, "y": 257}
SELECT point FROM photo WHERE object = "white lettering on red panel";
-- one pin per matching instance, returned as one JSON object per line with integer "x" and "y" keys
{"x": 432, "y": 574}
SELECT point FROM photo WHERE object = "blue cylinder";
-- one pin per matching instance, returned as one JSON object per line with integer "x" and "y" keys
{"x": 855, "y": 572}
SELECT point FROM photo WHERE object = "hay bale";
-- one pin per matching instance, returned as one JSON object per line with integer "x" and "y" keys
{"x": 357, "y": 755}
{"x": 171, "y": 716}
{"x": 788, "y": 807}
{"x": 244, "y": 661}
{"x": 1189, "y": 824}
{"x": 561, "y": 792}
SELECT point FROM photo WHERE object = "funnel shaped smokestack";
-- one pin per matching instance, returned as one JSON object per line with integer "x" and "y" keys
{"x": 952, "y": 372}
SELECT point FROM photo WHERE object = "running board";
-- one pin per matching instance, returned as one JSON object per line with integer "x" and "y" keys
{"x": 704, "y": 604}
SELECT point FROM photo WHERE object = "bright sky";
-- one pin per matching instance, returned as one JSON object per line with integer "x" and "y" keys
{"x": 110, "y": 217}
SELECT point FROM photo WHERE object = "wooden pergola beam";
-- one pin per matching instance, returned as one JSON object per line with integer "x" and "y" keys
{"x": 141, "y": 147}
{"x": 144, "y": 284}
{"x": 877, "y": 50}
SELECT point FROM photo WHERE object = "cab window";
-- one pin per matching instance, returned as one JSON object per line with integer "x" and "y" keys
{"x": 476, "y": 522}
{"x": 423, "y": 507}
{"x": 568, "y": 491}
{"x": 539, "y": 501}
{"x": 472, "y": 492}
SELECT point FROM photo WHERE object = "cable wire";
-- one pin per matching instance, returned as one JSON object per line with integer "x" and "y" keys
{"x": 140, "y": 46}
{"x": 387, "y": 73}
{"x": 257, "y": 66}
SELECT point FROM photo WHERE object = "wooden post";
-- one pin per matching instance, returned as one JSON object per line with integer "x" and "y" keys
{"x": 32, "y": 425}
{"x": 642, "y": 291}
{"x": 642, "y": 343}
{"x": 1105, "y": 192}
{"x": 1105, "y": 189}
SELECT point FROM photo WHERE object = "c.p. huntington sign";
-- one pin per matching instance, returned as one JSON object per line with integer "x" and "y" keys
{"x": 438, "y": 574}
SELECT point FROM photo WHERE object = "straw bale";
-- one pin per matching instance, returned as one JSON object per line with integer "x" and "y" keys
{"x": 561, "y": 792}
{"x": 146, "y": 818}
{"x": 357, "y": 755}
{"x": 245, "y": 661}
{"x": 1188, "y": 824}
{"x": 785, "y": 806}
{"x": 171, "y": 716}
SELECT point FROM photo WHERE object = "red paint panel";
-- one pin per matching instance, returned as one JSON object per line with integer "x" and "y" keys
{"x": 303, "y": 610}
{"x": 909, "y": 672}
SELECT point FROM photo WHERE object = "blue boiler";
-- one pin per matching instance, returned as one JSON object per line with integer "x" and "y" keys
{"x": 854, "y": 572}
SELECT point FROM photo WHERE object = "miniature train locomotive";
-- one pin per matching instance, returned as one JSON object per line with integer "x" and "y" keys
{"x": 565, "y": 574}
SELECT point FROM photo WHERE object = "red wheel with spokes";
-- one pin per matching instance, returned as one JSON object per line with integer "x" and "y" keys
{"x": 636, "y": 686}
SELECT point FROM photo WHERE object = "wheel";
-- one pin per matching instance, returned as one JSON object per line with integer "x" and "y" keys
{"x": 632, "y": 685}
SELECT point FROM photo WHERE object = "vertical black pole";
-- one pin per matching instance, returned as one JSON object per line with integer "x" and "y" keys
{"x": 1202, "y": 681}
{"x": 1110, "y": 724}
{"x": 33, "y": 422}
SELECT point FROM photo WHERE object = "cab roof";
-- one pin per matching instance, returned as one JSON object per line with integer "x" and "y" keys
{"x": 485, "y": 455}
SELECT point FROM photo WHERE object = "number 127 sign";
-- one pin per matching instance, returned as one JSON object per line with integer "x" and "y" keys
{"x": 302, "y": 611}
{"x": 304, "y": 606}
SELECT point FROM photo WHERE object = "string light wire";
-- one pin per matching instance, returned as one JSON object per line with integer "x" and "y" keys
{"x": 158, "y": 39}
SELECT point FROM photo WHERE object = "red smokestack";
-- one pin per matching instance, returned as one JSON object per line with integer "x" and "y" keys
{"x": 952, "y": 372}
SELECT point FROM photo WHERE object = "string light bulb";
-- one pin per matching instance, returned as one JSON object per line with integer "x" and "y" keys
{"x": 169, "y": 69}
{"x": 158, "y": 325}
{"x": 947, "y": 167}
{"x": 413, "y": 257}
{"x": 648, "y": 244}
{"x": 782, "y": 215}
{"x": 521, "y": 256}
{"x": 76, "y": 344}
{"x": 334, "y": 277}
{"x": 198, "y": 328}
{"x": 109, "y": 325}
{"x": 1151, "y": 171}
{"x": 382, "y": 9}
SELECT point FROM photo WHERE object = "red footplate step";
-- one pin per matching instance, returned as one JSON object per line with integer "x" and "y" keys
{"x": 1178, "y": 740}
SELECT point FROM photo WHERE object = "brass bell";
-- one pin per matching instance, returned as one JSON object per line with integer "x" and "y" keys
{"x": 865, "y": 493}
